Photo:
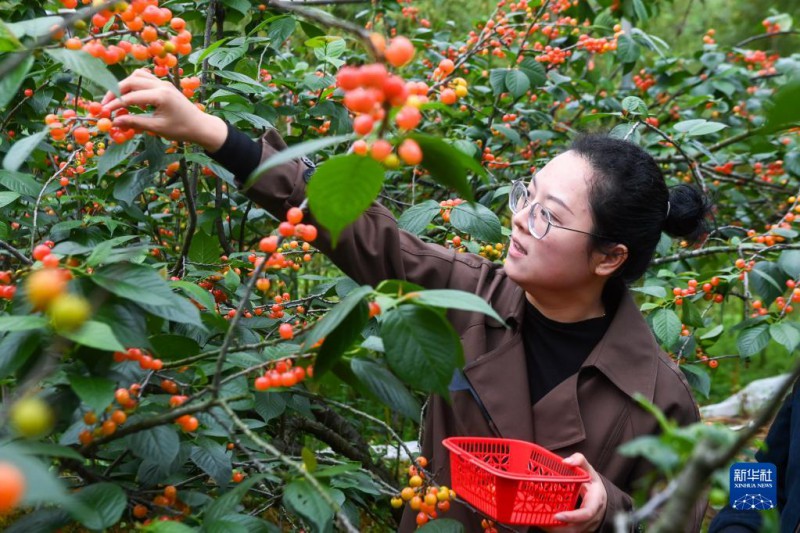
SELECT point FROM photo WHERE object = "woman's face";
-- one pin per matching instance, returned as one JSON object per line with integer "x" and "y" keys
{"x": 559, "y": 261}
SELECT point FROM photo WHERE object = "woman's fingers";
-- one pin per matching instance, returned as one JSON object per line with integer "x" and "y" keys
{"x": 139, "y": 79}
{"x": 138, "y": 122}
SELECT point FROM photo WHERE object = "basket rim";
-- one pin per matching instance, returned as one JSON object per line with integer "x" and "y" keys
{"x": 453, "y": 444}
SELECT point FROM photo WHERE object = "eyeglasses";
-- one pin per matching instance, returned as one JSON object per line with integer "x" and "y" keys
{"x": 540, "y": 219}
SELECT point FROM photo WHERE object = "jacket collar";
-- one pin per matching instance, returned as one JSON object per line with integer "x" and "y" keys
{"x": 627, "y": 355}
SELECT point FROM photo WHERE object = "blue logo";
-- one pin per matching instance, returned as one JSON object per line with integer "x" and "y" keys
{"x": 754, "y": 486}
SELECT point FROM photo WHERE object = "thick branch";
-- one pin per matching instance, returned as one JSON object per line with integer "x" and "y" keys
{"x": 16, "y": 253}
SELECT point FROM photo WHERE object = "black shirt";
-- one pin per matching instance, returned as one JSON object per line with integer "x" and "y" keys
{"x": 556, "y": 350}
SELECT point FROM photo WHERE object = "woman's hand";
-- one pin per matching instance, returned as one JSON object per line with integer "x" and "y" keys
{"x": 174, "y": 116}
{"x": 593, "y": 507}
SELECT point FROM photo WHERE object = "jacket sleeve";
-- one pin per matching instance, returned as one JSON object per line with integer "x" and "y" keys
{"x": 618, "y": 501}
{"x": 370, "y": 250}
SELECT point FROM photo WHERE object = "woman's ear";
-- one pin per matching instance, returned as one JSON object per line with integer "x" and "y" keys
{"x": 609, "y": 261}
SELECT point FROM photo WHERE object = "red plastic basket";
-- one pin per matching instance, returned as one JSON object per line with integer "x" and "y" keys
{"x": 513, "y": 481}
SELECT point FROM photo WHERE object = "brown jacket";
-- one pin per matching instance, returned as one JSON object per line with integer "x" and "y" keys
{"x": 591, "y": 412}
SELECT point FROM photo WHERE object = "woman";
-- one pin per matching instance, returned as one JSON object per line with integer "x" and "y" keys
{"x": 564, "y": 373}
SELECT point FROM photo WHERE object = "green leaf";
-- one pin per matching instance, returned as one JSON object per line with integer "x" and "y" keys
{"x": 337, "y": 315}
{"x": 385, "y": 385}
{"x": 442, "y": 525}
{"x": 204, "y": 249}
{"x": 341, "y": 338}
{"x": 22, "y": 323}
{"x": 698, "y": 378}
{"x": 269, "y": 405}
{"x": 227, "y": 503}
{"x": 421, "y": 347}
{"x": 657, "y": 291}
{"x": 477, "y": 220}
{"x": 765, "y": 280}
{"x": 202, "y": 296}
{"x": 537, "y": 75}
{"x": 705, "y": 129}
{"x": 139, "y": 283}
{"x": 42, "y": 485}
{"x": 497, "y": 79}
{"x": 303, "y": 499}
{"x": 417, "y": 217}
{"x": 16, "y": 348}
{"x": 211, "y": 458}
{"x": 713, "y": 333}
{"x": 21, "y": 149}
{"x": 785, "y": 334}
{"x": 309, "y": 460}
{"x": 640, "y": 10}
{"x": 785, "y": 110}
{"x": 8, "y": 41}
{"x": 95, "y": 335}
{"x": 654, "y": 450}
{"x": 83, "y": 64}
{"x": 96, "y": 392}
{"x": 170, "y": 347}
{"x": 342, "y": 188}
{"x": 178, "y": 310}
{"x": 160, "y": 444}
{"x": 132, "y": 184}
{"x": 114, "y": 155}
{"x": 104, "y": 504}
{"x": 455, "y": 299}
{"x": 685, "y": 126}
{"x": 447, "y": 164}
{"x": 280, "y": 29}
{"x": 167, "y": 526}
{"x": 517, "y": 83}
{"x": 11, "y": 82}
{"x": 23, "y": 184}
{"x": 691, "y": 315}
{"x": 753, "y": 340}
{"x": 789, "y": 261}
{"x": 292, "y": 153}
{"x": 666, "y": 326}
{"x": 634, "y": 105}
{"x": 103, "y": 251}
{"x": 628, "y": 50}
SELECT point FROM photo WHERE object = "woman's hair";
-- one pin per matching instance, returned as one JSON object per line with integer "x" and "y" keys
{"x": 631, "y": 204}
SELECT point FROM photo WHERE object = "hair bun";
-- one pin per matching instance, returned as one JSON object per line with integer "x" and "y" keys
{"x": 688, "y": 213}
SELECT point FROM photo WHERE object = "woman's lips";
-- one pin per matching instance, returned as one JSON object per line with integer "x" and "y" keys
{"x": 517, "y": 247}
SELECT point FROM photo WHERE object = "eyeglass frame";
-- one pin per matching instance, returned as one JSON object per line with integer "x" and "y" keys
{"x": 545, "y": 211}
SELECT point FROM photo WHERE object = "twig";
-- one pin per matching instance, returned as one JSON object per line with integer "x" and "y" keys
{"x": 180, "y": 265}
{"x": 330, "y": 21}
{"x": 695, "y": 168}
{"x": 16, "y": 253}
{"x": 765, "y": 36}
{"x": 712, "y": 250}
{"x": 41, "y": 193}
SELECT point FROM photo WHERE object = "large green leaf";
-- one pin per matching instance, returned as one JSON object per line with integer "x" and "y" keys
{"x": 447, "y": 164}
{"x": 211, "y": 458}
{"x": 205, "y": 248}
{"x": 785, "y": 109}
{"x": 10, "y": 83}
{"x": 132, "y": 184}
{"x": 517, "y": 83}
{"x": 97, "y": 335}
{"x": 666, "y": 326}
{"x": 768, "y": 280}
{"x": 342, "y": 188}
{"x": 196, "y": 292}
{"x": 96, "y": 392}
{"x": 698, "y": 378}
{"x": 304, "y": 500}
{"x": 385, "y": 385}
{"x": 103, "y": 505}
{"x": 454, "y": 299}
{"x": 785, "y": 334}
{"x": 628, "y": 51}
{"x": 21, "y": 149}
{"x": 83, "y": 64}
{"x": 417, "y": 217}
{"x": 421, "y": 347}
{"x": 21, "y": 322}
{"x": 753, "y": 340}
{"x": 341, "y": 338}
{"x": 534, "y": 70}
{"x": 160, "y": 444}
{"x": 337, "y": 315}
{"x": 477, "y": 220}
{"x": 294, "y": 152}
{"x": 789, "y": 261}
{"x": 139, "y": 283}
{"x": 114, "y": 155}
{"x": 42, "y": 485}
